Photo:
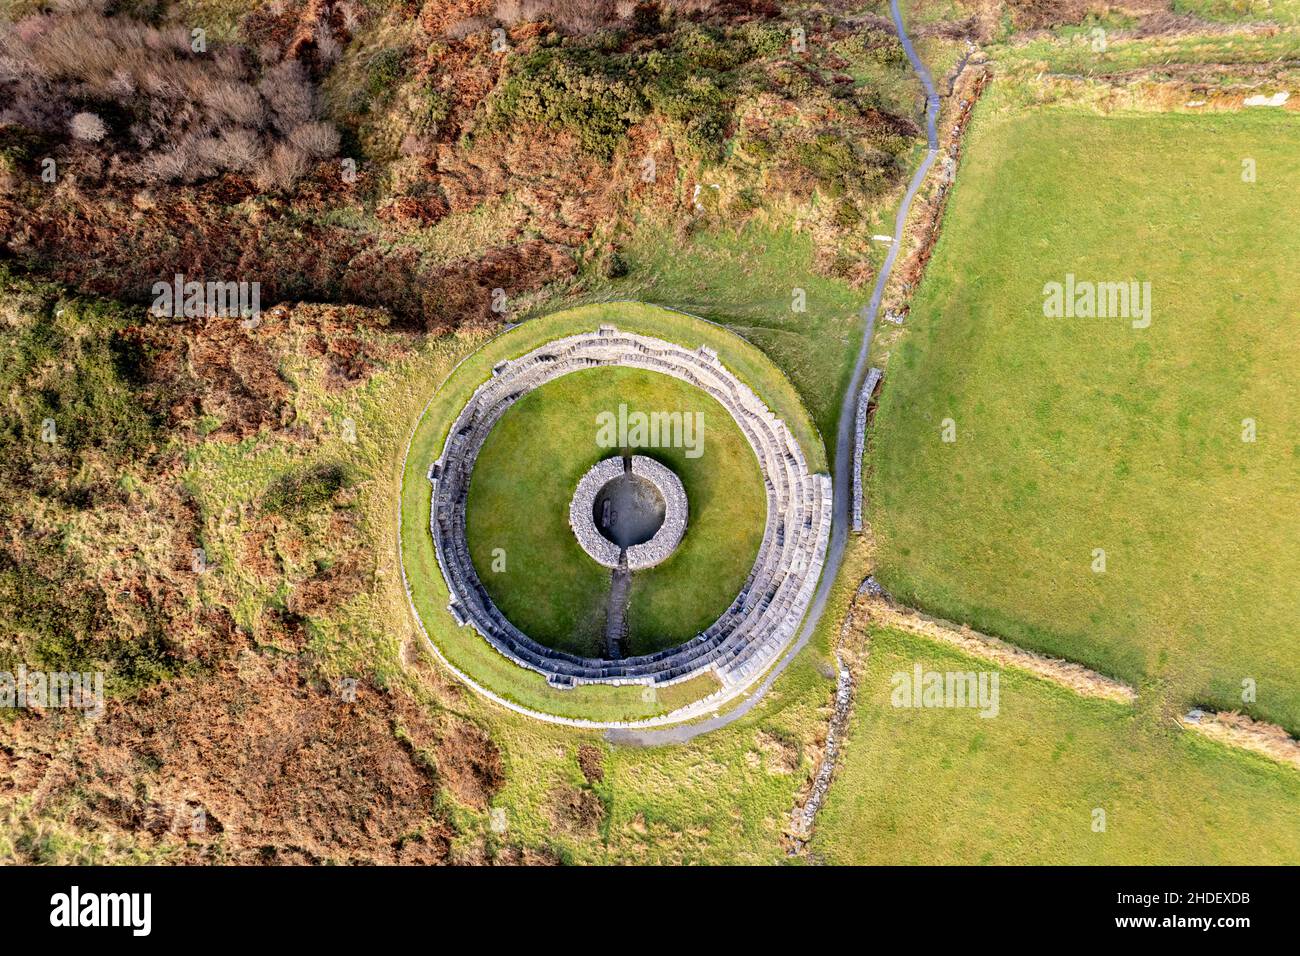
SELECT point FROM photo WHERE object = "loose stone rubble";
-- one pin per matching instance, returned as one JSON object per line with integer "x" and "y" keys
{"x": 765, "y": 615}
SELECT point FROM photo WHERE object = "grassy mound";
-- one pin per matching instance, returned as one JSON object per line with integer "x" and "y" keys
{"x": 463, "y": 647}
{"x": 524, "y": 480}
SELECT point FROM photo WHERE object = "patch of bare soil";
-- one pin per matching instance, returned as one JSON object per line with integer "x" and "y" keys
{"x": 591, "y": 761}
{"x": 575, "y": 811}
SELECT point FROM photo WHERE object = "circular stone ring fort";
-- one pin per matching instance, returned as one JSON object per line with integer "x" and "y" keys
{"x": 750, "y": 635}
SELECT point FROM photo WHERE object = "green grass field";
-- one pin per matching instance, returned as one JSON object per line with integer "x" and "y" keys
{"x": 524, "y": 480}
{"x": 1235, "y": 11}
{"x": 1080, "y": 434}
{"x": 947, "y": 786}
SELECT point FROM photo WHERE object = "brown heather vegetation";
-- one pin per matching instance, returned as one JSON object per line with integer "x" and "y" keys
{"x": 282, "y": 768}
{"x": 213, "y": 164}
{"x": 174, "y": 114}
{"x": 96, "y": 573}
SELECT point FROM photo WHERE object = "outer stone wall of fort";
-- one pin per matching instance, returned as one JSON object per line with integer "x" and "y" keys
{"x": 766, "y": 613}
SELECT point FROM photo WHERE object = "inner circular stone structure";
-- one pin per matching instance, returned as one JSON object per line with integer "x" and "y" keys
{"x": 765, "y": 615}
{"x": 629, "y": 510}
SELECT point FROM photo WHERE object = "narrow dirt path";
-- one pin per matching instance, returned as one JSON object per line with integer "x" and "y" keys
{"x": 620, "y": 593}
{"x": 842, "y": 482}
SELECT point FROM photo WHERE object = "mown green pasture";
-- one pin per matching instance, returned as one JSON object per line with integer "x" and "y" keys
{"x": 1075, "y": 436}
{"x": 948, "y": 786}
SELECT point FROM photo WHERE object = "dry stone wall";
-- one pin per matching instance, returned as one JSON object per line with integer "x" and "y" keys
{"x": 646, "y": 555}
{"x": 860, "y": 442}
{"x": 598, "y": 547}
{"x": 670, "y": 533}
{"x": 764, "y": 616}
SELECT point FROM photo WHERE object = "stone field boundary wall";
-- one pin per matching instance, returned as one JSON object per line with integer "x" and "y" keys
{"x": 763, "y": 618}
{"x": 860, "y": 442}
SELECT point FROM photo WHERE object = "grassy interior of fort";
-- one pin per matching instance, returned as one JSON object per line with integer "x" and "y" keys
{"x": 523, "y": 483}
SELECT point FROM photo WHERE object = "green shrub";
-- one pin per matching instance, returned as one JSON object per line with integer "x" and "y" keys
{"x": 708, "y": 49}
{"x": 430, "y": 107}
{"x": 308, "y": 489}
{"x": 597, "y": 86}
{"x": 792, "y": 82}
{"x": 872, "y": 46}
{"x": 596, "y": 90}
{"x": 54, "y": 627}
{"x": 757, "y": 148}
{"x": 830, "y": 160}
{"x": 574, "y": 89}
{"x": 765, "y": 39}
{"x": 700, "y": 109}
{"x": 616, "y": 266}
{"x": 847, "y": 215}
{"x": 383, "y": 73}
